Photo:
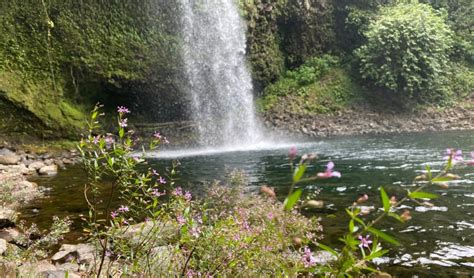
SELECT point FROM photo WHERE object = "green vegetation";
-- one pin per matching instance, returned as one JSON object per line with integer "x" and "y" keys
{"x": 407, "y": 51}
{"x": 320, "y": 85}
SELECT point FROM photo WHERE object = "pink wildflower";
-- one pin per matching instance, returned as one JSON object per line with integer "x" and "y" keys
{"x": 154, "y": 172}
{"x": 96, "y": 139}
{"x": 456, "y": 156}
{"x": 123, "y": 110}
{"x": 113, "y": 214}
{"x": 270, "y": 215}
{"x": 195, "y": 231}
{"x": 162, "y": 180}
{"x": 188, "y": 196}
{"x": 123, "y": 209}
{"x": 364, "y": 241}
{"x": 293, "y": 152}
{"x": 178, "y": 191}
{"x": 123, "y": 122}
{"x": 308, "y": 259}
{"x": 157, "y": 135}
{"x": 181, "y": 220}
{"x": 155, "y": 192}
{"x": 329, "y": 172}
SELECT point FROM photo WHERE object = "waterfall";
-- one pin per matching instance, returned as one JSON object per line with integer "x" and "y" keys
{"x": 218, "y": 81}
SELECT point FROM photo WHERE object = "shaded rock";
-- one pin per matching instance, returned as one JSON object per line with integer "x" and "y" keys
{"x": 3, "y": 246}
{"x": 81, "y": 253}
{"x": 49, "y": 170}
{"x": 71, "y": 267}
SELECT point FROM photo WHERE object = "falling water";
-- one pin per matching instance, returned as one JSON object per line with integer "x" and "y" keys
{"x": 218, "y": 81}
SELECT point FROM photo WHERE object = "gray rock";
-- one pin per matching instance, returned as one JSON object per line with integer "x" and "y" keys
{"x": 3, "y": 246}
{"x": 36, "y": 269}
{"x": 10, "y": 159}
{"x": 49, "y": 170}
{"x": 324, "y": 257}
{"x": 81, "y": 253}
{"x": 36, "y": 165}
{"x": 58, "y": 274}
{"x": 162, "y": 232}
{"x": 9, "y": 234}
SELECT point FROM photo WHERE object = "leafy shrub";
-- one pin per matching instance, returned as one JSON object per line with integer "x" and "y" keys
{"x": 320, "y": 85}
{"x": 407, "y": 50}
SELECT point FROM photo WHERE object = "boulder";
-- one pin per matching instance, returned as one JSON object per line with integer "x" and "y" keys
{"x": 49, "y": 170}
{"x": 3, "y": 246}
{"x": 9, "y": 234}
{"x": 8, "y": 157}
{"x": 81, "y": 253}
{"x": 162, "y": 232}
{"x": 36, "y": 165}
{"x": 35, "y": 269}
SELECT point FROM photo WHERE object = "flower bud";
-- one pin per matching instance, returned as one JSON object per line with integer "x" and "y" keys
{"x": 297, "y": 242}
{"x": 293, "y": 152}
{"x": 393, "y": 200}
{"x": 406, "y": 216}
{"x": 363, "y": 199}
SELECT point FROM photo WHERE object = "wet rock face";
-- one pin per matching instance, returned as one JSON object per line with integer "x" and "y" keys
{"x": 366, "y": 120}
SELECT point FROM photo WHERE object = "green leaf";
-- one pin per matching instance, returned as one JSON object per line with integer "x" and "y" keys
{"x": 291, "y": 200}
{"x": 422, "y": 195}
{"x": 442, "y": 179}
{"x": 351, "y": 226}
{"x": 327, "y": 248}
{"x": 376, "y": 254}
{"x": 299, "y": 172}
{"x": 383, "y": 236}
{"x": 396, "y": 216}
{"x": 428, "y": 171}
{"x": 385, "y": 200}
{"x": 121, "y": 132}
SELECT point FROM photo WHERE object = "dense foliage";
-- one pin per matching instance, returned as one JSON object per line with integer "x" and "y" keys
{"x": 407, "y": 50}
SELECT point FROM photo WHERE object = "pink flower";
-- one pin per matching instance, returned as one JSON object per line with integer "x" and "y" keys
{"x": 157, "y": 135}
{"x": 195, "y": 231}
{"x": 293, "y": 152}
{"x": 308, "y": 259}
{"x": 270, "y": 215}
{"x": 155, "y": 192}
{"x": 123, "y": 122}
{"x": 154, "y": 172}
{"x": 113, "y": 214}
{"x": 455, "y": 156}
{"x": 329, "y": 172}
{"x": 123, "y": 209}
{"x": 96, "y": 139}
{"x": 471, "y": 162}
{"x": 162, "y": 180}
{"x": 364, "y": 242}
{"x": 188, "y": 196}
{"x": 181, "y": 220}
{"x": 178, "y": 191}
{"x": 123, "y": 110}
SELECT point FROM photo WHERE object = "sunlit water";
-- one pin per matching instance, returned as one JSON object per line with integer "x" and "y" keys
{"x": 439, "y": 241}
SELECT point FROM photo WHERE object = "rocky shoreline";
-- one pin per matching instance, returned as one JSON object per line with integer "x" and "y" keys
{"x": 360, "y": 120}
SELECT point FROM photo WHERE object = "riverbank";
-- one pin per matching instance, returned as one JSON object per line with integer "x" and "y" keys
{"x": 365, "y": 119}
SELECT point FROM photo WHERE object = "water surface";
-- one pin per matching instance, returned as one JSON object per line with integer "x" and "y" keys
{"x": 439, "y": 241}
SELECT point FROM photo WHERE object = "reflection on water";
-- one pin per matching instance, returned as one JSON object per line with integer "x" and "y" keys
{"x": 438, "y": 241}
